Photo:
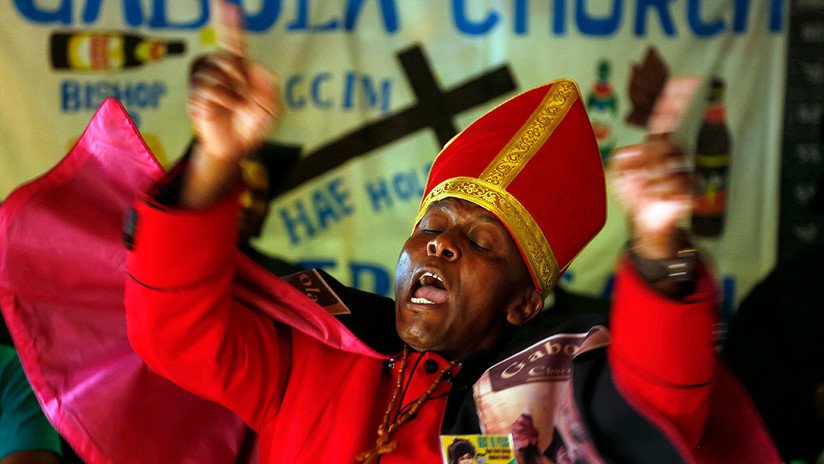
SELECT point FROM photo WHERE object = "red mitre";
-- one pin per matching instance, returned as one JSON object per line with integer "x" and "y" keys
{"x": 533, "y": 161}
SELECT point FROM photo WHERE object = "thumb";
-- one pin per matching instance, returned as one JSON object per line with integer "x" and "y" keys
{"x": 263, "y": 84}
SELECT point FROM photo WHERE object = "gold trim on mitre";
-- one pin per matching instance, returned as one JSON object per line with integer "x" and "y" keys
{"x": 531, "y": 136}
{"x": 528, "y": 235}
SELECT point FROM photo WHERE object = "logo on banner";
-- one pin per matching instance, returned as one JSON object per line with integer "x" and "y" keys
{"x": 108, "y": 51}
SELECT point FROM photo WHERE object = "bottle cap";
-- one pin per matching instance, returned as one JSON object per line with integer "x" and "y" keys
{"x": 176, "y": 47}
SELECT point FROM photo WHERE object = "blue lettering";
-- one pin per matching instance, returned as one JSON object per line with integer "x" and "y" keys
{"x": 389, "y": 14}
{"x": 70, "y": 96}
{"x": 739, "y": 15}
{"x": 324, "y": 210}
{"x": 471, "y": 18}
{"x": 133, "y": 13}
{"x": 701, "y": 28}
{"x": 265, "y": 18}
{"x": 371, "y": 92}
{"x": 521, "y": 16}
{"x": 348, "y": 90}
{"x": 404, "y": 186}
{"x": 663, "y": 14}
{"x": 292, "y": 98}
{"x": 316, "y": 91}
{"x": 776, "y": 15}
{"x": 301, "y": 16}
{"x": 62, "y": 13}
{"x": 292, "y": 223}
{"x": 301, "y": 21}
{"x": 463, "y": 23}
{"x": 76, "y": 96}
{"x": 559, "y": 17}
{"x": 340, "y": 197}
{"x": 598, "y": 26}
{"x": 159, "y": 19}
{"x": 373, "y": 97}
{"x": 378, "y": 193}
{"x": 380, "y": 278}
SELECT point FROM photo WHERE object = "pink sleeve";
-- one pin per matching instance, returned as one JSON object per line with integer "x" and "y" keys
{"x": 182, "y": 320}
{"x": 663, "y": 351}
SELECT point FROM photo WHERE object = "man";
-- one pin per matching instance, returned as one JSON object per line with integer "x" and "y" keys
{"x": 508, "y": 204}
{"x": 262, "y": 175}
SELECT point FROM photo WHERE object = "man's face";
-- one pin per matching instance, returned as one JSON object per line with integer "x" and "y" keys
{"x": 459, "y": 278}
{"x": 254, "y": 200}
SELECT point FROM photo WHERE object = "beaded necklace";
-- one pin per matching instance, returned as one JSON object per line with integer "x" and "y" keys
{"x": 382, "y": 444}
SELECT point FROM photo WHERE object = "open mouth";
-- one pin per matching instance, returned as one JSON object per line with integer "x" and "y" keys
{"x": 429, "y": 289}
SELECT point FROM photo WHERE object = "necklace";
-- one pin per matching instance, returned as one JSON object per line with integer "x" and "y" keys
{"x": 383, "y": 445}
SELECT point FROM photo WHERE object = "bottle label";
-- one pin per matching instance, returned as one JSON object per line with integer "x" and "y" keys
{"x": 90, "y": 52}
{"x": 711, "y": 172}
{"x": 603, "y": 117}
{"x": 150, "y": 50}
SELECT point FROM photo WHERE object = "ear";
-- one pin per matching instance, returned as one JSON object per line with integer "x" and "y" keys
{"x": 526, "y": 308}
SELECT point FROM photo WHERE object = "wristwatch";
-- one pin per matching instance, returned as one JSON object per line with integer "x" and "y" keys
{"x": 678, "y": 269}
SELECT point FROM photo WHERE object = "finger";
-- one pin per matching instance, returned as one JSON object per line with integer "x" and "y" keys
{"x": 669, "y": 188}
{"x": 627, "y": 159}
{"x": 222, "y": 68}
{"x": 647, "y": 155}
{"x": 230, "y": 27}
{"x": 210, "y": 96}
{"x": 265, "y": 95}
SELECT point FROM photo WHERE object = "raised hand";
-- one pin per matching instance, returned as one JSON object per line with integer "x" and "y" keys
{"x": 233, "y": 102}
{"x": 653, "y": 187}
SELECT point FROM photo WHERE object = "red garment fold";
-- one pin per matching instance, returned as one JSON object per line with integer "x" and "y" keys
{"x": 62, "y": 273}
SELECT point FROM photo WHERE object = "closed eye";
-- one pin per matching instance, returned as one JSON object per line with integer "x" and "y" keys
{"x": 480, "y": 247}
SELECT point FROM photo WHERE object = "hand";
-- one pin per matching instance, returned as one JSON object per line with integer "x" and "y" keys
{"x": 232, "y": 102}
{"x": 653, "y": 186}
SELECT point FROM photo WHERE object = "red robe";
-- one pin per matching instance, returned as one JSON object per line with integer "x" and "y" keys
{"x": 313, "y": 390}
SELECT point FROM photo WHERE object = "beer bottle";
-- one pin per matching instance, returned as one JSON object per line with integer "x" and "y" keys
{"x": 602, "y": 107}
{"x": 712, "y": 160}
{"x": 108, "y": 51}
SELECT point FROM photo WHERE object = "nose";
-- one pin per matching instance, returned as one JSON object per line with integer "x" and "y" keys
{"x": 442, "y": 247}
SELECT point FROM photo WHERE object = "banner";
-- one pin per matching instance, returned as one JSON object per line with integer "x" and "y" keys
{"x": 373, "y": 88}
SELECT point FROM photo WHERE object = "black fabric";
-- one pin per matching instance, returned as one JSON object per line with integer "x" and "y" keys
{"x": 372, "y": 319}
{"x": 774, "y": 346}
{"x": 5, "y": 336}
{"x": 279, "y": 160}
{"x": 166, "y": 191}
{"x": 621, "y": 435}
{"x": 461, "y": 415}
